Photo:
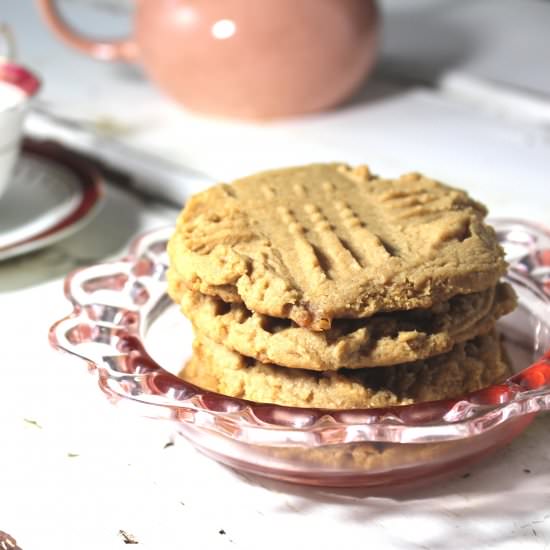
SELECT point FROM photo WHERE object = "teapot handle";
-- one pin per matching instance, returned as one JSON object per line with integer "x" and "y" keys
{"x": 125, "y": 50}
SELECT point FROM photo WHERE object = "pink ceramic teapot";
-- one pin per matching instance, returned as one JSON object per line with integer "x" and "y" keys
{"x": 245, "y": 58}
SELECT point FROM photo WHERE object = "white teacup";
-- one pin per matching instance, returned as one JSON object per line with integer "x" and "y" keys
{"x": 17, "y": 87}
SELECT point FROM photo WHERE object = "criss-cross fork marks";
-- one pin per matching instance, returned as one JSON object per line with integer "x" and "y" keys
{"x": 339, "y": 256}
{"x": 367, "y": 245}
{"x": 430, "y": 216}
{"x": 332, "y": 239}
{"x": 202, "y": 235}
{"x": 417, "y": 197}
{"x": 329, "y": 255}
{"x": 310, "y": 266}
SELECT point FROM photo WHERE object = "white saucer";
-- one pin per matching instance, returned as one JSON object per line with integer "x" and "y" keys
{"x": 52, "y": 194}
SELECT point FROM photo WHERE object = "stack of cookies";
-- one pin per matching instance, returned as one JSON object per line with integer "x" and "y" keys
{"x": 325, "y": 286}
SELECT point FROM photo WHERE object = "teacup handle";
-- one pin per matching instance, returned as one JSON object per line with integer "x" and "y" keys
{"x": 8, "y": 39}
{"x": 106, "y": 50}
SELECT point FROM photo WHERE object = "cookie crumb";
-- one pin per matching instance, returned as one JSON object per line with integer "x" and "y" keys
{"x": 32, "y": 422}
{"x": 127, "y": 538}
{"x": 7, "y": 542}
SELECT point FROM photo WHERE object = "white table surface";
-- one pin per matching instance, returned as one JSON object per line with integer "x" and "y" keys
{"x": 75, "y": 471}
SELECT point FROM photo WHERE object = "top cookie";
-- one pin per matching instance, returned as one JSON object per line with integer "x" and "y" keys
{"x": 326, "y": 241}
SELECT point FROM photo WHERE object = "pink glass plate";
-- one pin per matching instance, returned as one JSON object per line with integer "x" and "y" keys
{"x": 128, "y": 331}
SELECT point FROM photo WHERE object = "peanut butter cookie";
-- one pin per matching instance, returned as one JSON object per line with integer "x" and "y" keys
{"x": 469, "y": 366}
{"x": 381, "y": 340}
{"x": 326, "y": 241}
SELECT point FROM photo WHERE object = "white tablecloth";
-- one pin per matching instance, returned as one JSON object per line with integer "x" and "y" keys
{"x": 77, "y": 473}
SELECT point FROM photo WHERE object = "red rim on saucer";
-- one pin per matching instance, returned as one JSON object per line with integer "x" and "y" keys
{"x": 88, "y": 196}
{"x": 21, "y": 77}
